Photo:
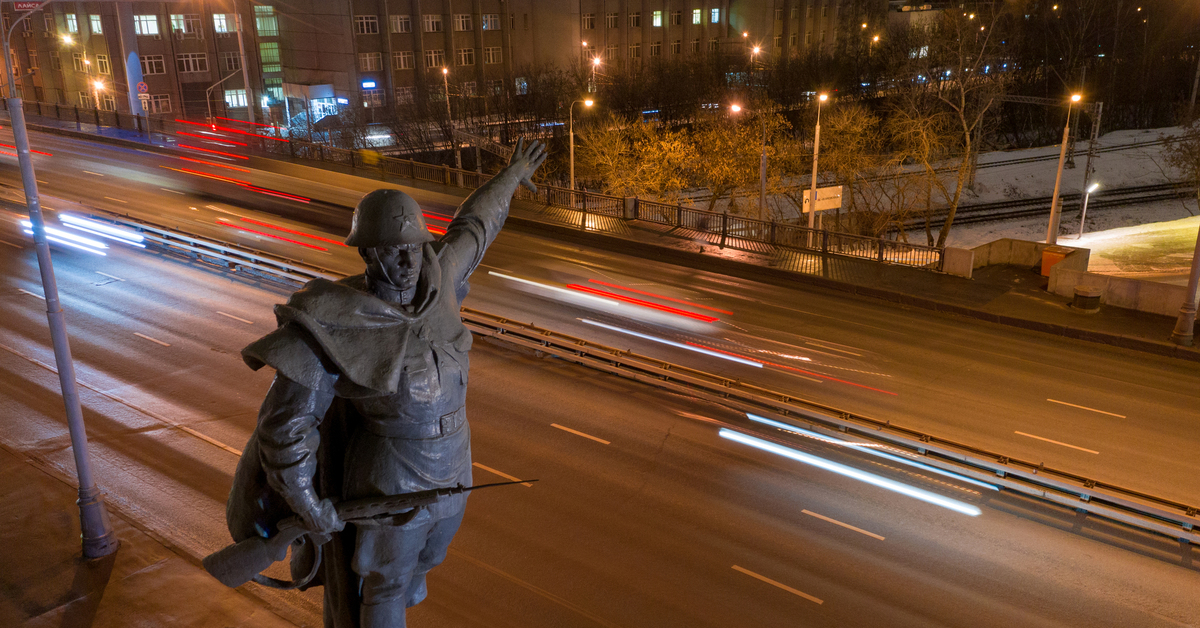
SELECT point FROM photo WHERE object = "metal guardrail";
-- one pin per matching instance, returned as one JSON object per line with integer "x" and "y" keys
{"x": 1135, "y": 508}
{"x": 726, "y": 230}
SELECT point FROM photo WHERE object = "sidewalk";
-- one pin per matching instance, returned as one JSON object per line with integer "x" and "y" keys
{"x": 45, "y": 581}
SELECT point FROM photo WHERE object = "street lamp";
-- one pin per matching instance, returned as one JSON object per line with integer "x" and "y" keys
{"x": 96, "y": 532}
{"x": 812, "y": 201}
{"x": 1083, "y": 211}
{"x": 450, "y": 121}
{"x": 595, "y": 66}
{"x": 97, "y": 86}
{"x": 1055, "y": 204}
{"x": 587, "y": 102}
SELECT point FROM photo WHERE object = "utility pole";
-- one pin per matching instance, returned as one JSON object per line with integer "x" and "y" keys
{"x": 1186, "y": 322}
{"x": 250, "y": 102}
{"x": 98, "y": 537}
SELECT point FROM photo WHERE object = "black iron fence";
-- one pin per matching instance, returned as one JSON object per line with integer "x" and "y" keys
{"x": 720, "y": 228}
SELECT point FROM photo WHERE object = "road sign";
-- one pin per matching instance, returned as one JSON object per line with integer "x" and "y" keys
{"x": 142, "y": 87}
{"x": 144, "y": 97}
{"x": 827, "y": 198}
{"x": 27, "y": 6}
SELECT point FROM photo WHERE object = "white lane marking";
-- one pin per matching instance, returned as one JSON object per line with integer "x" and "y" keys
{"x": 116, "y": 199}
{"x": 173, "y": 191}
{"x": 236, "y": 318}
{"x": 501, "y": 474}
{"x": 1119, "y": 416}
{"x": 165, "y": 344}
{"x": 778, "y": 584}
{"x": 110, "y": 276}
{"x": 42, "y": 182}
{"x": 90, "y": 172}
{"x": 32, "y": 294}
{"x": 578, "y": 433}
{"x": 844, "y": 525}
{"x": 1057, "y": 443}
{"x": 223, "y": 211}
{"x": 825, "y": 346}
{"x": 168, "y": 422}
{"x": 15, "y": 246}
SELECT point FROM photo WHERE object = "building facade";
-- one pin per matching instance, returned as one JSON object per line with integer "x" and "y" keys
{"x": 315, "y": 56}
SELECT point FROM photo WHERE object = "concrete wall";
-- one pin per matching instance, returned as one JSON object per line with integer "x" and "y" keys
{"x": 959, "y": 262}
{"x": 1133, "y": 294}
{"x": 1025, "y": 253}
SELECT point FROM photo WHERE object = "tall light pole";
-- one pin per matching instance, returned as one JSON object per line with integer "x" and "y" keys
{"x": 96, "y": 87}
{"x": 812, "y": 201}
{"x": 1055, "y": 204}
{"x": 762, "y": 164}
{"x": 587, "y": 102}
{"x": 1083, "y": 211}
{"x": 250, "y": 100}
{"x": 595, "y": 66}
{"x": 450, "y": 121}
{"x": 98, "y": 537}
{"x": 1186, "y": 322}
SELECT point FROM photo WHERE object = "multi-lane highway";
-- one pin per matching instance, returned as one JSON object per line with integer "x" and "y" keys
{"x": 644, "y": 516}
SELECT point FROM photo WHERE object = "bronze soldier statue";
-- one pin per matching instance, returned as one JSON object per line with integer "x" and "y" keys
{"x": 369, "y": 401}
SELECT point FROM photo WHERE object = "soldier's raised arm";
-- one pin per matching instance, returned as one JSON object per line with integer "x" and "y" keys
{"x": 480, "y": 217}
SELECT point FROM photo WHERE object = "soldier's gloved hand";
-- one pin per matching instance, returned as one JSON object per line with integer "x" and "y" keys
{"x": 322, "y": 520}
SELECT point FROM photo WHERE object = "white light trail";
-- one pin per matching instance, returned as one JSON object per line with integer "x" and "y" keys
{"x": 672, "y": 343}
{"x": 571, "y": 293}
{"x": 103, "y": 230}
{"x": 851, "y": 472}
{"x": 869, "y": 448}
{"x": 69, "y": 239}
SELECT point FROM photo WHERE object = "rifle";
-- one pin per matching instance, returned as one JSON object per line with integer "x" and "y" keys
{"x": 245, "y": 560}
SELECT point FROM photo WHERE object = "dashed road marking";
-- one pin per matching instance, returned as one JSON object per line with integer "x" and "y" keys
{"x": 1119, "y": 416}
{"x": 173, "y": 191}
{"x": 165, "y": 344}
{"x": 578, "y": 433}
{"x": 501, "y": 474}
{"x": 116, "y": 199}
{"x": 1090, "y": 451}
{"x": 113, "y": 277}
{"x": 90, "y": 172}
{"x": 15, "y": 246}
{"x": 844, "y": 525}
{"x": 32, "y": 294}
{"x": 236, "y": 318}
{"x": 778, "y": 584}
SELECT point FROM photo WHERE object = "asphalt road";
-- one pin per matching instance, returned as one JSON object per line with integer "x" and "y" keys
{"x": 643, "y": 515}
{"x": 1119, "y": 416}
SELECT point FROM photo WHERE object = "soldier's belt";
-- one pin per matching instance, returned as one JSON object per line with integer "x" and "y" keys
{"x": 446, "y": 425}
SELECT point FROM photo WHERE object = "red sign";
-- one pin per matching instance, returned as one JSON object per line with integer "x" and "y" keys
{"x": 27, "y": 6}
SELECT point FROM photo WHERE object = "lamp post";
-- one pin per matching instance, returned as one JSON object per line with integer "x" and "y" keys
{"x": 762, "y": 165}
{"x": 812, "y": 201}
{"x": 96, "y": 87}
{"x": 595, "y": 66}
{"x": 587, "y": 102}
{"x": 1055, "y": 204}
{"x": 1186, "y": 322}
{"x": 1083, "y": 211}
{"x": 450, "y": 123}
{"x": 97, "y": 535}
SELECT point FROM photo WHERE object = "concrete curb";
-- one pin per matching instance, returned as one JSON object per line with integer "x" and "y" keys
{"x": 788, "y": 278}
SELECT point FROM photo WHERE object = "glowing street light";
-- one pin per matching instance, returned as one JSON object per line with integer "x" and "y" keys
{"x": 735, "y": 108}
{"x": 68, "y": 40}
{"x": 450, "y": 123}
{"x": 812, "y": 201}
{"x": 1083, "y": 211}
{"x": 587, "y": 102}
{"x": 1055, "y": 202}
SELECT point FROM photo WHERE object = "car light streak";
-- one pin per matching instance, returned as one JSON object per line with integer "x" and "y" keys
{"x": 209, "y": 150}
{"x": 643, "y": 303}
{"x": 834, "y": 379}
{"x": 436, "y": 230}
{"x": 208, "y": 176}
{"x": 30, "y": 150}
{"x": 103, "y": 230}
{"x": 227, "y": 129}
{"x": 689, "y": 346}
{"x": 292, "y": 231}
{"x": 269, "y": 126}
{"x": 570, "y": 293}
{"x": 67, "y": 238}
{"x": 225, "y": 222}
{"x": 658, "y": 296}
{"x": 435, "y": 217}
{"x": 871, "y": 448}
{"x": 851, "y": 472}
{"x": 213, "y": 163}
{"x": 293, "y": 197}
{"x": 209, "y": 139}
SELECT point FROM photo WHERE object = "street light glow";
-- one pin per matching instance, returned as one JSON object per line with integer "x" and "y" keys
{"x": 445, "y": 70}
{"x": 596, "y": 61}
{"x": 864, "y": 24}
{"x": 98, "y": 84}
{"x": 588, "y": 102}
{"x": 735, "y": 108}
{"x": 823, "y": 97}
{"x": 585, "y": 44}
{"x": 756, "y": 50}
{"x": 1093, "y": 187}
{"x": 876, "y": 38}
{"x": 1076, "y": 97}
{"x": 68, "y": 40}
{"x": 747, "y": 33}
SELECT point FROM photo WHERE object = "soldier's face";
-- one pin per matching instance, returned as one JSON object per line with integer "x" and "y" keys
{"x": 401, "y": 264}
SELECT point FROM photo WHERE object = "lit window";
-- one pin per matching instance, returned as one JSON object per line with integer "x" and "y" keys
{"x": 72, "y": 23}
{"x": 695, "y": 16}
{"x": 145, "y": 24}
{"x": 265, "y": 21}
{"x": 268, "y": 51}
{"x": 96, "y": 24}
{"x": 491, "y": 21}
{"x": 401, "y": 23}
{"x": 221, "y": 23}
{"x": 370, "y": 61}
{"x": 522, "y": 86}
{"x": 716, "y": 16}
{"x": 656, "y": 19}
{"x": 491, "y": 55}
{"x": 235, "y": 97}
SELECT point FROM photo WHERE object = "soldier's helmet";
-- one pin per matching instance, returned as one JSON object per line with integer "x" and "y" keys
{"x": 387, "y": 218}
